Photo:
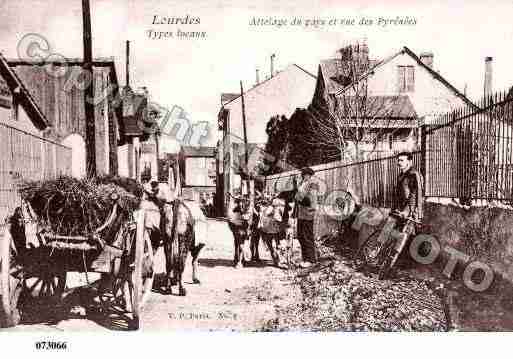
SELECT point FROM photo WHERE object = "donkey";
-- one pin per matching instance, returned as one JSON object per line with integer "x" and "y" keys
{"x": 276, "y": 225}
{"x": 240, "y": 222}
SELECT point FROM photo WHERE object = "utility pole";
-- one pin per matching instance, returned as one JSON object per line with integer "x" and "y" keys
{"x": 90, "y": 131}
{"x": 246, "y": 160}
{"x": 250, "y": 185}
{"x": 127, "y": 68}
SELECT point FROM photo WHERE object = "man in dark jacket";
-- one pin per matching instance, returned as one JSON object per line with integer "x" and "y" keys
{"x": 409, "y": 192}
{"x": 306, "y": 199}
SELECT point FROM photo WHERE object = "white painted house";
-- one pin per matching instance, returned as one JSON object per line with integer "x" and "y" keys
{"x": 414, "y": 92}
{"x": 281, "y": 94}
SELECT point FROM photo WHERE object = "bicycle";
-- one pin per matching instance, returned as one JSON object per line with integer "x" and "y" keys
{"x": 396, "y": 241}
{"x": 382, "y": 252}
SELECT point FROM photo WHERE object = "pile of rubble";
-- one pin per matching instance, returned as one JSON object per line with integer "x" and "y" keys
{"x": 336, "y": 297}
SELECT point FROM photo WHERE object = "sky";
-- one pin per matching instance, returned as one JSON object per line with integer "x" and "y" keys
{"x": 192, "y": 73}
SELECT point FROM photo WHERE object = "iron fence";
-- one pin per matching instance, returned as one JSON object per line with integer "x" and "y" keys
{"x": 466, "y": 154}
{"x": 469, "y": 152}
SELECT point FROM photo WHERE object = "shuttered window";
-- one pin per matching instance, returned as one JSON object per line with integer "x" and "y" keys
{"x": 406, "y": 78}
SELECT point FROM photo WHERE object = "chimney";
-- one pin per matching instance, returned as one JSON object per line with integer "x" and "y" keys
{"x": 362, "y": 51}
{"x": 127, "y": 63}
{"x": 488, "y": 76}
{"x": 356, "y": 52}
{"x": 272, "y": 65}
{"x": 427, "y": 59}
{"x": 257, "y": 76}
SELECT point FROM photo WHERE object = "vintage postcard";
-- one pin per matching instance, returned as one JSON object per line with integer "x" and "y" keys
{"x": 243, "y": 166}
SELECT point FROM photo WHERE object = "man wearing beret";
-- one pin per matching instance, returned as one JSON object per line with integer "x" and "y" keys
{"x": 306, "y": 198}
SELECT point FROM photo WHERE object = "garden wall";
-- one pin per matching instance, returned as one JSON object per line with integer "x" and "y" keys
{"x": 485, "y": 234}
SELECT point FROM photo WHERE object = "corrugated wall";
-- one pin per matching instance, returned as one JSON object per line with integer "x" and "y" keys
{"x": 23, "y": 157}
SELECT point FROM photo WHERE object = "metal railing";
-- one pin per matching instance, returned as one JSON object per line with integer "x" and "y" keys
{"x": 466, "y": 154}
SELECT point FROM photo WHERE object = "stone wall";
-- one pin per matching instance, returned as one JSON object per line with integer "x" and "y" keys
{"x": 484, "y": 234}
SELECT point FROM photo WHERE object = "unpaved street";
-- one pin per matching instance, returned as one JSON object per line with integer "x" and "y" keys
{"x": 227, "y": 298}
{"x": 335, "y": 295}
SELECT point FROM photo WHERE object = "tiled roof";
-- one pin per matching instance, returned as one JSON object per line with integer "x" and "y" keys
{"x": 331, "y": 70}
{"x": 227, "y": 97}
{"x": 378, "y": 107}
{"x": 257, "y": 87}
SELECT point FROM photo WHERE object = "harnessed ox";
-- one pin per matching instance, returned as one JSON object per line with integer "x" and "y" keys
{"x": 169, "y": 221}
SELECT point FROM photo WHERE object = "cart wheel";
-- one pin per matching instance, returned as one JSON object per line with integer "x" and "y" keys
{"x": 143, "y": 273}
{"x": 10, "y": 283}
{"x": 132, "y": 286}
{"x": 43, "y": 286}
{"x": 369, "y": 251}
{"x": 385, "y": 260}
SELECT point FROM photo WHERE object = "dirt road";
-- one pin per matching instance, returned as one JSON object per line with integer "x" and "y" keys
{"x": 227, "y": 298}
{"x": 336, "y": 295}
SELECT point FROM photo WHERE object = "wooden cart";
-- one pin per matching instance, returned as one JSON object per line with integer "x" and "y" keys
{"x": 36, "y": 273}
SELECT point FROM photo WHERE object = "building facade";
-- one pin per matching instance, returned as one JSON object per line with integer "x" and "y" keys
{"x": 58, "y": 90}
{"x": 388, "y": 98}
{"x": 26, "y": 150}
{"x": 138, "y": 149}
{"x": 280, "y": 95}
{"x": 198, "y": 171}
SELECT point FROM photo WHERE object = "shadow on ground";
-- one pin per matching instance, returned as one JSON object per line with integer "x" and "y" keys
{"x": 210, "y": 263}
{"x": 79, "y": 303}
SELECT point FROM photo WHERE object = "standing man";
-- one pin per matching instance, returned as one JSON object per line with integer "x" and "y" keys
{"x": 409, "y": 192}
{"x": 238, "y": 224}
{"x": 306, "y": 198}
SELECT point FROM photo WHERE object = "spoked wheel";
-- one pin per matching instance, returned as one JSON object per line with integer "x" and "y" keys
{"x": 132, "y": 286}
{"x": 370, "y": 250}
{"x": 10, "y": 282}
{"x": 42, "y": 287}
{"x": 385, "y": 259}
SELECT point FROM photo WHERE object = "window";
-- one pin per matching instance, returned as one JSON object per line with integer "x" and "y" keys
{"x": 198, "y": 171}
{"x": 406, "y": 78}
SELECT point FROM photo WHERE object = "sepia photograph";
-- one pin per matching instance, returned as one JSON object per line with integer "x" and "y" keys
{"x": 241, "y": 166}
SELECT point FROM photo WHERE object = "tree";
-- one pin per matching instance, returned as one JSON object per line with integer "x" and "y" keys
{"x": 290, "y": 145}
{"x": 275, "y": 148}
{"x": 302, "y": 147}
{"x": 352, "y": 120}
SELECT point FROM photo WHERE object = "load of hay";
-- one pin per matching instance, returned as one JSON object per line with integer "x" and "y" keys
{"x": 77, "y": 207}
